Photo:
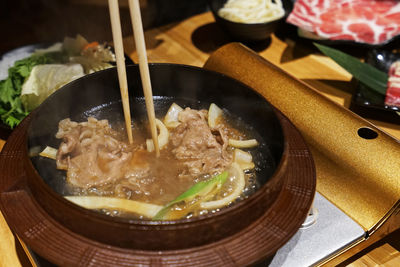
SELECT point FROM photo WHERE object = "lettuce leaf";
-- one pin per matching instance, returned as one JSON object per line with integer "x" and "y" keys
{"x": 72, "y": 50}
{"x": 11, "y": 108}
{"x": 45, "y": 80}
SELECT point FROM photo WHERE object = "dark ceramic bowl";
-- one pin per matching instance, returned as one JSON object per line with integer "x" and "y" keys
{"x": 248, "y": 32}
{"x": 251, "y": 230}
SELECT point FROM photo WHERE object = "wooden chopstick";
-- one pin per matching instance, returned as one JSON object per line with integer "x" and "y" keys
{"x": 134, "y": 9}
{"x": 120, "y": 58}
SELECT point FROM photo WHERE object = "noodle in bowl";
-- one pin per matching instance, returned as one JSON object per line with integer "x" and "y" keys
{"x": 249, "y": 21}
{"x": 252, "y": 11}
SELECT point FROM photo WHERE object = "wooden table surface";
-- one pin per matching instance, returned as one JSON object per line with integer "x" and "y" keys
{"x": 192, "y": 41}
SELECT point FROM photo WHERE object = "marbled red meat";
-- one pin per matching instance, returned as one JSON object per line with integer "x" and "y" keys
{"x": 393, "y": 90}
{"x": 363, "y": 21}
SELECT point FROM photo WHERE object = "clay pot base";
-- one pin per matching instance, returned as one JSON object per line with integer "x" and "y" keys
{"x": 255, "y": 243}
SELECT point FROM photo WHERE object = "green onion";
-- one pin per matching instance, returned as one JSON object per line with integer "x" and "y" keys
{"x": 201, "y": 188}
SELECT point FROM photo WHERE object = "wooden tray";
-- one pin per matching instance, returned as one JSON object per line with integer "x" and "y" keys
{"x": 255, "y": 243}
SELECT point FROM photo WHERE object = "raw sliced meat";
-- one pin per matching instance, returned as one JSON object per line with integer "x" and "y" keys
{"x": 393, "y": 90}
{"x": 362, "y": 21}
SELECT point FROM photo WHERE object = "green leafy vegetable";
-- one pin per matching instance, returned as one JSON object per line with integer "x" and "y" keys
{"x": 46, "y": 79}
{"x": 11, "y": 108}
{"x": 201, "y": 188}
{"x": 365, "y": 73}
{"x": 91, "y": 56}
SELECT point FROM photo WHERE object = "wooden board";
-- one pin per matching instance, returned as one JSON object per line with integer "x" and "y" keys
{"x": 193, "y": 40}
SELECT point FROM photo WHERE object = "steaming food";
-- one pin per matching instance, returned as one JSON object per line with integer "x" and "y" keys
{"x": 199, "y": 169}
{"x": 252, "y": 11}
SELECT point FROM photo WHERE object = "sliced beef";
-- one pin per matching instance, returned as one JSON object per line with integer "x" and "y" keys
{"x": 196, "y": 146}
{"x": 90, "y": 153}
{"x": 95, "y": 158}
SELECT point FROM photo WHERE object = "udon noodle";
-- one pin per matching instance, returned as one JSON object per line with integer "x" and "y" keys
{"x": 205, "y": 165}
{"x": 252, "y": 11}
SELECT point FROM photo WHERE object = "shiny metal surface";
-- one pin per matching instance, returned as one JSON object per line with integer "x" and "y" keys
{"x": 332, "y": 232}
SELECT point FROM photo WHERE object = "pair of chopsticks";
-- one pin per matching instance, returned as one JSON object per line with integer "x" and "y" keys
{"x": 134, "y": 10}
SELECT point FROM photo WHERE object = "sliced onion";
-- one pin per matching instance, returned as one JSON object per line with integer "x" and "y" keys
{"x": 239, "y": 183}
{"x": 243, "y": 143}
{"x": 246, "y": 166}
{"x": 244, "y": 159}
{"x": 162, "y": 137}
{"x": 243, "y": 156}
{"x": 94, "y": 202}
{"x": 49, "y": 152}
{"x": 214, "y": 112}
{"x": 171, "y": 118}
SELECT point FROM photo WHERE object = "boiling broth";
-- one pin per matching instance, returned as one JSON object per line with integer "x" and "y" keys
{"x": 157, "y": 180}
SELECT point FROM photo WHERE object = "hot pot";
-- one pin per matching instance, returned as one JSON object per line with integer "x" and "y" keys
{"x": 243, "y": 234}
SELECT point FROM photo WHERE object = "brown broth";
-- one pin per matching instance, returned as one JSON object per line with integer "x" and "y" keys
{"x": 162, "y": 181}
